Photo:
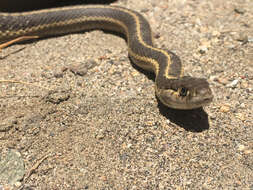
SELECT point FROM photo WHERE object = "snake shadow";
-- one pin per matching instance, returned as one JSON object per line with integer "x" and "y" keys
{"x": 195, "y": 120}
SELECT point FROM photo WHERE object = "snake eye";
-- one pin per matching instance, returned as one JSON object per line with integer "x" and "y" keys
{"x": 183, "y": 92}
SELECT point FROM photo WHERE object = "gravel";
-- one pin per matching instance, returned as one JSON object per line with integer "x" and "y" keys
{"x": 101, "y": 126}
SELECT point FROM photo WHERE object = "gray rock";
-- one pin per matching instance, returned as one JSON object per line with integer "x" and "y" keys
{"x": 12, "y": 167}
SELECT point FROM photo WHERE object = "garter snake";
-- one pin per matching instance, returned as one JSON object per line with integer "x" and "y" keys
{"x": 171, "y": 86}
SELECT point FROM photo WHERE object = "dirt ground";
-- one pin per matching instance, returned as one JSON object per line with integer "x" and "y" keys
{"x": 83, "y": 117}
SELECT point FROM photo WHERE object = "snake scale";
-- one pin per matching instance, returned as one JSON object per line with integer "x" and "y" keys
{"x": 171, "y": 86}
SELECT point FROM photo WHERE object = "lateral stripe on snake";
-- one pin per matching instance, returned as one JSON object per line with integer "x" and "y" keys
{"x": 172, "y": 88}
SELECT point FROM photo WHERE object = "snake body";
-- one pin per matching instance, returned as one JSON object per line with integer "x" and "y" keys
{"x": 172, "y": 88}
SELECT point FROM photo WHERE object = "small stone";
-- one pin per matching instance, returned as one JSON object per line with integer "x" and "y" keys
{"x": 224, "y": 108}
{"x": 58, "y": 74}
{"x": 203, "y": 29}
{"x": 2, "y": 137}
{"x": 18, "y": 184}
{"x": 229, "y": 45}
{"x": 7, "y": 124}
{"x": 216, "y": 33}
{"x": 202, "y": 49}
{"x": 213, "y": 78}
{"x": 161, "y": 186}
{"x": 206, "y": 43}
{"x": 198, "y": 22}
{"x": 63, "y": 69}
{"x": 6, "y": 187}
{"x": 241, "y": 147}
{"x": 83, "y": 68}
{"x": 149, "y": 123}
{"x": 12, "y": 168}
{"x": 242, "y": 38}
{"x": 239, "y": 10}
{"x": 135, "y": 73}
{"x": 56, "y": 97}
{"x": 250, "y": 39}
{"x": 196, "y": 55}
{"x": 249, "y": 151}
{"x": 244, "y": 84}
{"x": 215, "y": 40}
{"x": 144, "y": 10}
{"x": 240, "y": 116}
{"x": 243, "y": 105}
{"x": 223, "y": 81}
{"x": 78, "y": 71}
{"x": 212, "y": 115}
{"x": 100, "y": 135}
{"x": 233, "y": 83}
{"x": 157, "y": 35}
{"x": 103, "y": 177}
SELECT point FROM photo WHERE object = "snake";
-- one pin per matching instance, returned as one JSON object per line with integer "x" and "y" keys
{"x": 172, "y": 87}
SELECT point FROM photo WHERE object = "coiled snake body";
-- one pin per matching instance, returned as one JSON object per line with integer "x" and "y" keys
{"x": 172, "y": 88}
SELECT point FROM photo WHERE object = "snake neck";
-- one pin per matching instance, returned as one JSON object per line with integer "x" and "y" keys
{"x": 170, "y": 69}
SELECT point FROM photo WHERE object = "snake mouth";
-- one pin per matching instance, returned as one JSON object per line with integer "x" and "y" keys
{"x": 200, "y": 102}
{"x": 175, "y": 102}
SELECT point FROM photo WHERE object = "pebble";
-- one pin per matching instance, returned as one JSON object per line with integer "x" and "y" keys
{"x": 205, "y": 44}
{"x": 233, "y": 83}
{"x": 244, "y": 84}
{"x": 56, "y": 97}
{"x": 202, "y": 49}
{"x": 77, "y": 70}
{"x": 58, "y": 74}
{"x": 240, "y": 116}
{"x": 216, "y": 33}
{"x": 223, "y": 81}
{"x": 135, "y": 73}
{"x": 198, "y": 22}
{"x": 224, "y": 108}
{"x": 213, "y": 78}
{"x": 157, "y": 35}
{"x": 18, "y": 184}
{"x": 242, "y": 38}
{"x": 215, "y": 40}
{"x": 6, "y": 187}
{"x": 241, "y": 147}
{"x": 14, "y": 168}
{"x": 7, "y": 124}
{"x": 250, "y": 39}
{"x": 83, "y": 68}
{"x": 239, "y": 10}
{"x": 101, "y": 134}
{"x": 243, "y": 105}
{"x": 249, "y": 151}
{"x": 144, "y": 10}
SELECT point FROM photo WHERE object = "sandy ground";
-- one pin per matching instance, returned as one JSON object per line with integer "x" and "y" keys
{"x": 87, "y": 119}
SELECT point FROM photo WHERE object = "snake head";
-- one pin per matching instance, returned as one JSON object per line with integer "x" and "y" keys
{"x": 184, "y": 93}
